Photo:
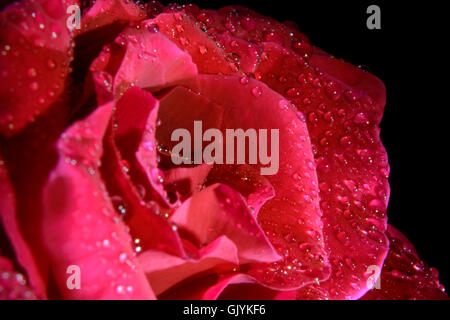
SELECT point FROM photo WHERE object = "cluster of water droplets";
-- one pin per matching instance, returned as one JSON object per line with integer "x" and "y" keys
{"x": 13, "y": 286}
{"x": 405, "y": 266}
{"x": 31, "y": 64}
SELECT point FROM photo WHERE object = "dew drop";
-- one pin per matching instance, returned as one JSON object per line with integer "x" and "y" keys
{"x": 34, "y": 86}
{"x": 203, "y": 49}
{"x": 248, "y": 23}
{"x": 123, "y": 257}
{"x": 328, "y": 116}
{"x": 361, "y": 118}
{"x": 119, "y": 204}
{"x": 397, "y": 274}
{"x": 283, "y": 104}
{"x": 243, "y": 80}
{"x": 347, "y": 214}
{"x": 120, "y": 289}
{"x": 332, "y": 90}
{"x": 157, "y": 175}
{"x": 32, "y": 72}
{"x": 312, "y": 117}
{"x": 345, "y": 141}
{"x": 257, "y": 91}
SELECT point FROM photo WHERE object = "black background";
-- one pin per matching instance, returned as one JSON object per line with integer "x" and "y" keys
{"x": 408, "y": 55}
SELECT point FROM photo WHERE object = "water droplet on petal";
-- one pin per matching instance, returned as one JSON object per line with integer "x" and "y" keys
{"x": 284, "y": 104}
{"x": 257, "y": 91}
{"x": 34, "y": 86}
{"x": 203, "y": 49}
{"x": 152, "y": 27}
{"x": 243, "y": 80}
{"x": 32, "y": 72}
{"x": 157, "y": 175}
{"x": 119, "y": 204}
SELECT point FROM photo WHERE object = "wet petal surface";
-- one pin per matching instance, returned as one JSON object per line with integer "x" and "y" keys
{"x": 36, "y": 50}
{"x": 404, "y": 276}
{"x": 80, "y": 225}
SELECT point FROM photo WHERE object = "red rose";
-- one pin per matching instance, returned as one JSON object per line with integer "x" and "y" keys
{"x": 88, "y": 187}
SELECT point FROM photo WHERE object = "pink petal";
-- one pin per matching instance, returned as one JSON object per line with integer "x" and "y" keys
{"x": 131, "y": 120}
{"x": 244, "y": 54}
{"x": 178, "y": 109}
{"x": 140, "y": 216}
{"x": 184, "y": 32}
{"x": 351, "y": 162}
{"x": 98, "y": 57}
{"x": 123, "y": 177}
{"x": 32, "y": 161}
{"x": 80, "y": 226}
{"x": 151, "y": 61}
{"x": 214, "y": 291}
{"x": 293, "y": 217}
{"x": 102, "y": 71}
{"x": 255, "y": 188}
{"x": 106, "y": 12}
{"x": 35, "y": 59}
{"x": 219, "y": 210}
{"x": 351, "y": 78}
{"x": 228, "y": 286}
{"x": 254, "y": 291}
{"x": 136, "y": 135}
{"x": 208, "y": 287}
{"x": 9, "y": 220}
{"x": 185, "y": 182}
{"x": 404, "y": 275}
{"x": 13, "y": 284}
{"x": 164, "y": 271}
{"x": 249, "y": 26}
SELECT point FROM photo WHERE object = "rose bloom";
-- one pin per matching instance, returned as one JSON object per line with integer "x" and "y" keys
{"x": 92, "y": 207}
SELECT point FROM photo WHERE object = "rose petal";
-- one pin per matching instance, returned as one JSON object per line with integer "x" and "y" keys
{"x": 254, "y": 291}
{"x": 80, "y": 226}
{"x": 352, "y": 78}
{"x": 292, "y": 218}
{"x": 243, "y": 23}
{"x": 32, "y": 161}
{"x": 249, "y": 182}
{"x": 185, "y": 182}
{"x": 208, "y": 287}
{"x": 351, "y": 164}
{"x": 243, "y": 54}
{"x": 140, "y": 216}
{"x": 13, "y": 284}
{"x": 102, "y": 70}
{"x": 151, "y": 61}
{"x": 137, "y": 135}
{"x": 9, "y": 219}
{"x": 131, "y": 118}
{"x": 219, "y": 210}
{"x": 164, "y": 271}
{"x": 35, "y": 58}
{"x": 100, "y": 24}
{"x": 106, "y": 12}
{"x": 124, "y": 180}
{"x": 177, "y": 110}
{"x": 184, "y": 32}
{"x": 404, "y": 276}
